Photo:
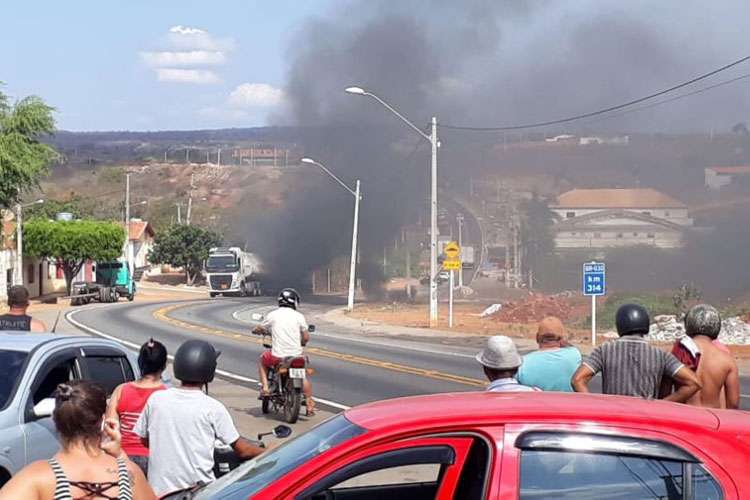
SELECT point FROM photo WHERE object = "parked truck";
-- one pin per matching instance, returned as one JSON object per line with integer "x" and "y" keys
{"x": 232, "y": 271}
{"x": 112, "y": 280}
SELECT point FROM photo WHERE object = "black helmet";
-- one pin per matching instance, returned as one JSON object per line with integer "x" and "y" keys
{"x": 289, "y": 297}
{"x": 195, "y": 362}
{"x": 632, "y": 318}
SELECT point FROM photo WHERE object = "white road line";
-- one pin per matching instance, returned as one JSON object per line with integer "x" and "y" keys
{"x": 224, "y": 373}
{"x": 236, "y": 314}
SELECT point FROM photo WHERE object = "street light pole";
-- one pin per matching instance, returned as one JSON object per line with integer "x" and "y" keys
{"x": 128, "y": 248}
{"x": 355, "y": 230}
{"x": 460, "y": 220}
{"x": 433, "y": 139}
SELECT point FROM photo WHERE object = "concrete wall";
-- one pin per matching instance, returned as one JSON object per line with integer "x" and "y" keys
{"x": 674, "y": 215}
{"x": 655, "y": 237}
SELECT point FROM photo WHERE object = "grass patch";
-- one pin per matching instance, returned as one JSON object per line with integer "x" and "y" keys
{"x": 654, "y": 304}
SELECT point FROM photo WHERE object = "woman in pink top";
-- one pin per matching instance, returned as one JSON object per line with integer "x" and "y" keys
{"x": 129, "y": 399}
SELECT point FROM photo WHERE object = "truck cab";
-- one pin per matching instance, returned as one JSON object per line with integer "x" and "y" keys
{"x": 231, "y": 271}
{"x": 116, "y": 275}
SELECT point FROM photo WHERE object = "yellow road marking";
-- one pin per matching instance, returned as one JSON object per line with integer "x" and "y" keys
{"x": 163, "y": 315}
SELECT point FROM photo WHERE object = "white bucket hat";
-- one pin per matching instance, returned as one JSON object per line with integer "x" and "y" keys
{"x": 500, "y": 354}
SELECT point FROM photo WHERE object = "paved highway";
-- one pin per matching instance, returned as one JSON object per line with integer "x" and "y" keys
{"x": 349, "y": 369}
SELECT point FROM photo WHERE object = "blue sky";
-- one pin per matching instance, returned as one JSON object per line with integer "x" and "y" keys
{"x": 115, "y": 65}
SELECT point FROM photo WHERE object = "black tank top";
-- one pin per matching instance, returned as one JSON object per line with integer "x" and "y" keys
{"x": 18, "y": 322}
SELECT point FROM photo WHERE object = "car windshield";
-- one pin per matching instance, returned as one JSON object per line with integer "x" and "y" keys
{"x": 11, "y": 363}
{"x": 260, "y": 472}
{"x": 221, "y": 263}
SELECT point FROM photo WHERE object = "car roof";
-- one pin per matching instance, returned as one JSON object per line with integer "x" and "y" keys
{"x": 498, "y": 407}
{"x": 27, "y": 342}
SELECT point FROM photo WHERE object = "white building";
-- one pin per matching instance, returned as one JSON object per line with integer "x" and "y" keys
{"x": 610, "y": 218}
{"x": 718, "y": 177}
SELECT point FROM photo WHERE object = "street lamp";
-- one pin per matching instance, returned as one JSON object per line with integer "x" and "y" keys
{"x": 433, "y": 140}
{"x": 353, "y": 263}
{"x": 18, "y": 275}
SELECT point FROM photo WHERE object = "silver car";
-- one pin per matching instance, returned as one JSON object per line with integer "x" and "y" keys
{"x": 31, "y": 367}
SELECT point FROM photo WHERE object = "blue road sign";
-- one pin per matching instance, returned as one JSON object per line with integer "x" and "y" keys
{"x": 594, "y": 278}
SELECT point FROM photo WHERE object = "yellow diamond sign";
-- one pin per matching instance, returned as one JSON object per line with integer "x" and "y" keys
{"x": 451, "y": 250}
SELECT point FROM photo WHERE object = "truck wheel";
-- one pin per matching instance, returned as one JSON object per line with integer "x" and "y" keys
{"x": 243, "y": 289}
{"x": 116, "y": 296}
{"x": 131, "y": 296}
{"x": 212, "y": 294}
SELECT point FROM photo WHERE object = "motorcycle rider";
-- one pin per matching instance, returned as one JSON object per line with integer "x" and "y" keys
{"x": 181, "y": 425}
{"x": 289, "y": 333}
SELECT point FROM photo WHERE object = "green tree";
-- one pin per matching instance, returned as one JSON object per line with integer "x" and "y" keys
{"x": 186, "y": 247}
{"x": 73, "y": 243}
{"x": 24, "y": 159}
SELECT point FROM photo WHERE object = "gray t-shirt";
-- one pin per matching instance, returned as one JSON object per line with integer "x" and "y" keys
{"x": 631, "y": 366}
{"x": 182, "y": 426}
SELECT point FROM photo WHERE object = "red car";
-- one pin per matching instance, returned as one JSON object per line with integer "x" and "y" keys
{"x": 472, "y": 446}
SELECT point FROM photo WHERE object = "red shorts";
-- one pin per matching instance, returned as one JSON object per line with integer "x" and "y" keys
{"x": 268, "y": 360}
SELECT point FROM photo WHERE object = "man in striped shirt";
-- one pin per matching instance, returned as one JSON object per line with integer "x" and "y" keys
{"x": 631, "y": 366}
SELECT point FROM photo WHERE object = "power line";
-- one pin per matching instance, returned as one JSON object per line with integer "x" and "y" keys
{"x": 665, "y": 101}
{"x": 602, "y": 111}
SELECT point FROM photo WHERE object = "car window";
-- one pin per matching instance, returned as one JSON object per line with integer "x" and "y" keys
{"x": 256, "y": 474}
{"x": 110, "y": 371}
{"x": 404, "y": 474}
{"x": 576, "y": 475}
{"x": 59, "y": 373}
{"x": 11, "y": 363}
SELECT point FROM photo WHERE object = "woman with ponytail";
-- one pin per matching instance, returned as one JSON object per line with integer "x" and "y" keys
{"x": 90, "y": 463}
{"x": 128, "y": 400}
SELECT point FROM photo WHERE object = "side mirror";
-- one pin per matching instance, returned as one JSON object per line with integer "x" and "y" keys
{"x": 257, "y": 317}
{"x": 282, "y": 431}
{"x": 46, "y": 406}
{"x": 310, "y": 328}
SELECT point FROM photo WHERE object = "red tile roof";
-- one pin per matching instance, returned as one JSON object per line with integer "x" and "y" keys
{"x": 615, "y": 198}
{"x": 137, "y": 229}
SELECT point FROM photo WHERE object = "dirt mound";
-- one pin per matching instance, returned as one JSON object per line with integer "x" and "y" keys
{"x": 535, "y": 307}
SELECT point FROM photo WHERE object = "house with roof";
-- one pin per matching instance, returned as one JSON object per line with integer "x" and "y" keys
{"x": 611, "y": 218}
{"x": 142, "y": 238}
{"x": 719, "y": 177}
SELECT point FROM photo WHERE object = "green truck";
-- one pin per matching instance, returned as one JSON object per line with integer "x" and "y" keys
{"x": 113, "y": 280}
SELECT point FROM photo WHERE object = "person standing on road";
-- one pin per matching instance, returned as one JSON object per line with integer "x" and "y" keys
{"x": 17, "y": 319}
{"x": 89, "y": 464}
{"x": 500, "y": 361}
{"x": 289, "y": 334}
{"x": 553, "y": 365}
{"x": 716, "y": 370}
{"x": 181, "y": 425}
{"x": 630, "y": 366}
{"x": 129, "y": 399}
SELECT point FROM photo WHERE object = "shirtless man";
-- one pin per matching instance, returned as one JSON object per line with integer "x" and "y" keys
{"x": 716, "y": 370}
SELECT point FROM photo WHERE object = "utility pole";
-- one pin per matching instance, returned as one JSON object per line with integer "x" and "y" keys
{"x": 433, "y": 227}
{"x": 218, "y": 158}
{"x": 190, "y": 201}
{"x": 179, "y": 212}
{"x": 460, "y": 220}
{"x": 355, "y": 253}
{"x": 408, "y": 273}
{"x": 187, "y": 155}
{"x": 515, "y": 249}
{"x": 385, "y": 259}
{"x": 208, "y": 159}
{"x": 128, "y": 248}
{"x": 18, "y": 275}
{"x": 165, "y": 156}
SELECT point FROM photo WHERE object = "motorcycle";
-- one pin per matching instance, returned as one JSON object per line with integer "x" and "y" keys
{"x": 225, "y": 461}
{"x": 285, "y": 382}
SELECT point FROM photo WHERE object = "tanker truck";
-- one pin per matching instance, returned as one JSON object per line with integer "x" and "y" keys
{"x": 232, "y": 271}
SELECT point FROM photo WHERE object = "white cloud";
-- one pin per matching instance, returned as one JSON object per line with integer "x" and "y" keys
{"x": 257, "y": 95}
{"x": 175, "y": 75}
{"x": 183, "y": 58}
{"x": 184, "y": 37}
